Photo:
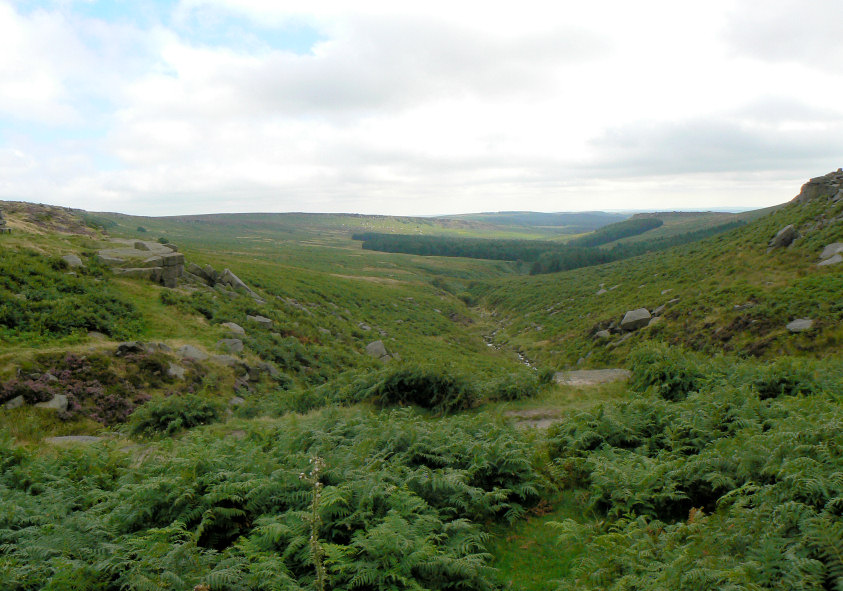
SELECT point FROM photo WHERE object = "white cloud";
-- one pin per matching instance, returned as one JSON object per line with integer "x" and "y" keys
{"x": 427, "y": 109}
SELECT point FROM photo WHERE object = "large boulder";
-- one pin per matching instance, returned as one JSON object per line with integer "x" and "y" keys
{"x": 377, "y": 350}
{"x": 635, "y": 319}
{"x": 784, "y": 237}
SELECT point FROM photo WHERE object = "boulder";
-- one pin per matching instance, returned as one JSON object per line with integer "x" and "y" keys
{"x": 831, "y": 250}
{"x": 192, "y": 353}
{"x": 658, "y": 311}
{"x": 15, "y": 402}
{"x": 58, "y": 402}
{"x": 230, "y": 345}
{"x": 72, "y": 260}
{"x": 260, "y": 320}
{"x": 635, "y": 319}
{"x": 108, "y": 260}
{"x": 229, "y": 278}
{"x": 784, "y": 237}
{"x": 149, "y": 273}
{"x": 603, "y": 334}
{"x": 234, "y": 327}
{"x": 366, "y": 327}
{"x": 800, "y": 325}
{"x": 838, "y": 258}
{"x": 140, "y": 245}
{"x": 129, "y": 347}
{"x": 377, "y": 350}
{"x": 176, "y": 371}
{"x": 654, "y": 320}
{"x": 601, "y": 291}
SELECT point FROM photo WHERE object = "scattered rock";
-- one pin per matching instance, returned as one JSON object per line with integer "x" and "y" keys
{"x": 230, "y": 345}
{"x": 783, "y": 237}
{"x": 377, "y": 350}
{"x": 229, "y": 278}
{"x": 72, "y": 260}
{"x": 58, "y": 402}
{"x": 666, "y": 291}
{"x": 129, "y": 348}
{"x": 176, "y": 371}
{"x": 234, "y": 327}
{"x": 192, "y": 353}
{"x": 364, "y": 326}
{"x": 602, "y": 291}
{"x": 260, "y": 320}
{"x": 140, "y": 245}
{"x": 603, "y": 334}
{"x": 800, "y": 325}
{"x": 654, "y": 320}
{"x": 831, "y": 261}
{"x": 658, "y": 311}
{"x": 831, "y": 250}
{"x": 635, "y": 319}
{"x": 15, "y": 402}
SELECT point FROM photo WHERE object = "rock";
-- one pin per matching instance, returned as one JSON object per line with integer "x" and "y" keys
{"x": 108, "y": 260}
{"x": 260, "y": 320}
{"x": 831, "y": 261}
{"x": 72, "y": 260}
{"x": 15, "y": 402}
{"x": 621, "y": 340}
{"x": 229, "y": 278}
{"x": 591, "y": 377}
{"x": 58, "y": 402}
{"x": 366, "y": 327}
{"x": 658, "y": 311}
{"x": 176, "y": 371}
{"x": 654, "y": 320}
{"x": 819, "y": 187}
{"x": 128, "y": 348}
{"x": 256, "y": 371}
{"x": 236, "y": 401}
{"x": 149, "y": 273}
{"x": 139, "y": 245}
{"x": 635, "y": 319}
{"x": 234, "y": 327}
{"x": 230, "y": 345}
{"x": 800, "y": 325}
{"x": 377, "y": 350}
{"x": 783, "y": 237}
{"x": 831, "y": 250}
{"x": 192, "y": 353}
{"x": 673, "y": 301}
{"x": 603, "y": 334}
{"x": 666, "y": 291}
{"x": 602, "y": 291}
{"x": 72, "y": 439}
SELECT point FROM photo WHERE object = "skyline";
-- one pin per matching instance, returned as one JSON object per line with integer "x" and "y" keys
{"x": 211, "y": 106}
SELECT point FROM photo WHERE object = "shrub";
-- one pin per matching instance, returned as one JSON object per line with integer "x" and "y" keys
{"x": 513, "y": 386}
{"x": 170, "y": 415}
{"x": 670, "y": 371}
{"x": 431, "y": 388}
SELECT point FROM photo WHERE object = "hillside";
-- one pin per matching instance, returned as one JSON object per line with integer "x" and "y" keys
{"x": 248, "y": 401}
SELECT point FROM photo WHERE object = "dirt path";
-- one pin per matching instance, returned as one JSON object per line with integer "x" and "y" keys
{"x": 542, "y": 418}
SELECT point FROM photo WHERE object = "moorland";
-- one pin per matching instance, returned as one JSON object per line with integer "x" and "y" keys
{"x": 325, "y": 401}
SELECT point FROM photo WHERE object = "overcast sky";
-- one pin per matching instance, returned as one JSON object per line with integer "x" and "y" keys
{"x": 162, "y": 108}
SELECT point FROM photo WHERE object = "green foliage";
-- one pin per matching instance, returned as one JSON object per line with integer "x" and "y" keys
{"x": 170, "y": 415}
{"x": 672, "y": 372}
{"x": 618, "y": 230}
{"x": 402, "y": 504}
{"x": 433, "y": 388}
{"x": 514, "y": 386}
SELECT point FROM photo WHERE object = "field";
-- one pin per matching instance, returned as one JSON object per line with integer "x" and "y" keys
{"x": 397, "y": 421}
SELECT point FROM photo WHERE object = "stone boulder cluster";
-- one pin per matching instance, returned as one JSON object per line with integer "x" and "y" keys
{"x": 632, "y": 321}
{"x": 160, "y": 263}
{"x": 225, "y": 281}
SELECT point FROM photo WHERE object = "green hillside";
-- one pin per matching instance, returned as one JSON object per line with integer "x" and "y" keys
{"x": 296, "y": 412}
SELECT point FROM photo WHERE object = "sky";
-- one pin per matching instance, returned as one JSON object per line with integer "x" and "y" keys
{"x": 152, "y": 107}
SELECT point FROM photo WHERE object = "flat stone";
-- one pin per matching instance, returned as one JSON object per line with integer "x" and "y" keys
{"x": 831, "y": 250}
{"x": 72, "y": 260}
{"x": 192, "y": 353}
{"x": 58, "y": 402}
{"x": 800, "y": 325}
{"x": 591, "y": 377}
{"x": 234, "y": 327}
{"x": 72, "y": 439}
{"x": 260, "y": 320}
{"x": 838, "y": 258}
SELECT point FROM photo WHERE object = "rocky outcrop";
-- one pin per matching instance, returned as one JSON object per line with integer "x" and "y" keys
{"x": 831, "y": 255}
{"x": 635, "y": 319}
{"x": 827, "y": 186}
{"x": 132, "y": 259}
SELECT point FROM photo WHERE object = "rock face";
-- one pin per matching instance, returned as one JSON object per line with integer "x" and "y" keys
{"x": 72, "y": 261}
{"x": 827, "y": 186}
{"x": 783, "y": 237}
{"x": 377, "y": 350}
{"x": 800, "y": 325}
{"x": 635, "y": 319}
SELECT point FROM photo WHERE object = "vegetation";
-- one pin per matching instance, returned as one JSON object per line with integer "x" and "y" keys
{"x": 309, "y": 460}
{"x": 618, "y": 230}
